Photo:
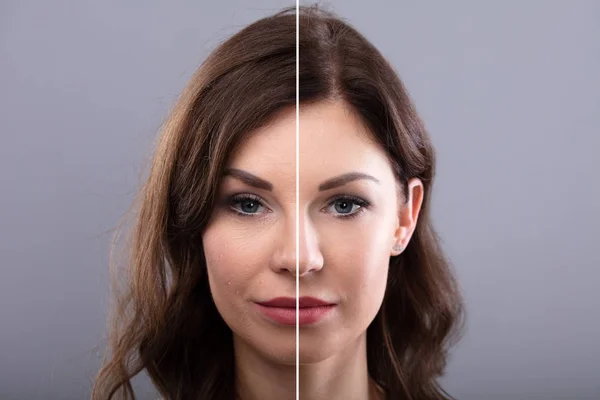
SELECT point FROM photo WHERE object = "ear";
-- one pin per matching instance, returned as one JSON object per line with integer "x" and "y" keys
{"x": 408, "y": 214}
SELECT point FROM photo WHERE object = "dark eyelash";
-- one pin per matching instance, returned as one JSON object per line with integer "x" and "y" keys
{"x": 240, "y": 198}
{"x": 364, "y": 205}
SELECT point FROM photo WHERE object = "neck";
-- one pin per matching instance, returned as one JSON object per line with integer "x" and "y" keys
{"x": 342, "y": 376}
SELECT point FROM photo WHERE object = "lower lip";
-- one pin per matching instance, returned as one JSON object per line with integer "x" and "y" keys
{"x": 287, "y": 316}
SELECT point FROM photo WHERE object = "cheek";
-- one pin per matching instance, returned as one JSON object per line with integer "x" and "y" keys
{"x": 362, "y": 256}
{"x": 231, "y": 260}
{"x": 371, "y": 259}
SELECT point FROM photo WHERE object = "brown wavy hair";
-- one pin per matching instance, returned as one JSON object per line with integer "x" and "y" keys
{"x": 164, "y": 320}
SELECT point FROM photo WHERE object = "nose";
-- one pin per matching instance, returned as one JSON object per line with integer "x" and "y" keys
{"x": 285, "y": 258}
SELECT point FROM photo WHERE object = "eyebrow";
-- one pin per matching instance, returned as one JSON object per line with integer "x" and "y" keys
{"x": 345, "y": 179}
{"x": 249, "y": 179}
{"x": 329, "y": 184}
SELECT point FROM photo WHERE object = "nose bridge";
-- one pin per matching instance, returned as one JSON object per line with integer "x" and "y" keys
{"x": 303, "y": 242}
{"x": 311, "y": 258}
{"x": 284, "y": 256}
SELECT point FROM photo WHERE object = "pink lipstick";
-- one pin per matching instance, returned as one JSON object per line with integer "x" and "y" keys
{"x": 283, "y": 310}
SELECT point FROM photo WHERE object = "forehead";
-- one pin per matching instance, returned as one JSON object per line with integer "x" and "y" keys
{"x": 332, "y": 141}
{"x": 331, "y": 133}
{"x": 273, "y": 145}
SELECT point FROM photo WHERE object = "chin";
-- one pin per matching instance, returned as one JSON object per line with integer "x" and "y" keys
{"x": 282, "y": 352}
{"x": 314, "y": 352}
{"x": 283, "y": 357}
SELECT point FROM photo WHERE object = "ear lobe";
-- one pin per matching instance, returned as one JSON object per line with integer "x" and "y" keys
{"x": 408, "y": 215}
{"x": 397, "y": 249}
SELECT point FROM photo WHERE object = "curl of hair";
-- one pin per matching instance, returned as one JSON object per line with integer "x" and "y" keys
{"x": 164, "y": 320}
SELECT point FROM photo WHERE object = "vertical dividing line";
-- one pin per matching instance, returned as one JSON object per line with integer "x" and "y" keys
{"x": 297, "y": 199}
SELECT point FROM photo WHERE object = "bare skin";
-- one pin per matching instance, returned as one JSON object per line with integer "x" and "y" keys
{"x": 344, "y": 249}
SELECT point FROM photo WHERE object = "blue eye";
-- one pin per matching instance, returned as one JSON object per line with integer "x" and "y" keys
{"x": 246, "y": 205}
{"x": 347, "y": 206}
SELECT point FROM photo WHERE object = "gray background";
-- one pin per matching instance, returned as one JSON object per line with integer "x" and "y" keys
{"x": 509, "y": 91}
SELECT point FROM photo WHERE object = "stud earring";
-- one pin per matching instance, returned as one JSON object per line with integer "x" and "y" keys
{"x": 398, "y": 248}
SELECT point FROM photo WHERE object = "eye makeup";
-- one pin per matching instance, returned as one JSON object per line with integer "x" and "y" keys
{"x": 363, "y": 205}
{"x": 250, "y": 205}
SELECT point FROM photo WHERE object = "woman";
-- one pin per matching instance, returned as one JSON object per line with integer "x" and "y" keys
{"x": 209, "y": 307}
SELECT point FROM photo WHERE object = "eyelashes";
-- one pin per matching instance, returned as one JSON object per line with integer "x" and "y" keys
{"x": 346, "y": 200}
{"x": 242, "y": 200}
{"x": 341, "y": 206}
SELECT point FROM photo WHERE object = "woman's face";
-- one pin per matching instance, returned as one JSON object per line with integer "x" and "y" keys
{"x": 348, "y": 225}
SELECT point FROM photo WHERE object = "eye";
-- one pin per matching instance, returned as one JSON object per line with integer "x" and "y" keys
{"x": 247, "y": 205}
{"x": 347, "y": 206}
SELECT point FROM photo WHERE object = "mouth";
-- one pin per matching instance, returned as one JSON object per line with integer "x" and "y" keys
{"x": 282, "y": 310}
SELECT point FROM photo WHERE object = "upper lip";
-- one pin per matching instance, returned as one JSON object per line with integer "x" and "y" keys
{"x": 290, "y": 302}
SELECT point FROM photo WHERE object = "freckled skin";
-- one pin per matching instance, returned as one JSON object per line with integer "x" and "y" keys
{"x": 240, "y": 250}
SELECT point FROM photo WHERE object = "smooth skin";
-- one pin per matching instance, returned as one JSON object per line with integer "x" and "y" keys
{"x": 347, "y": 232}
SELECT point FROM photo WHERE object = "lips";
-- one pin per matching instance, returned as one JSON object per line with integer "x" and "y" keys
{"x": 283, "y": 310}
{"x": 303, "y": 302}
